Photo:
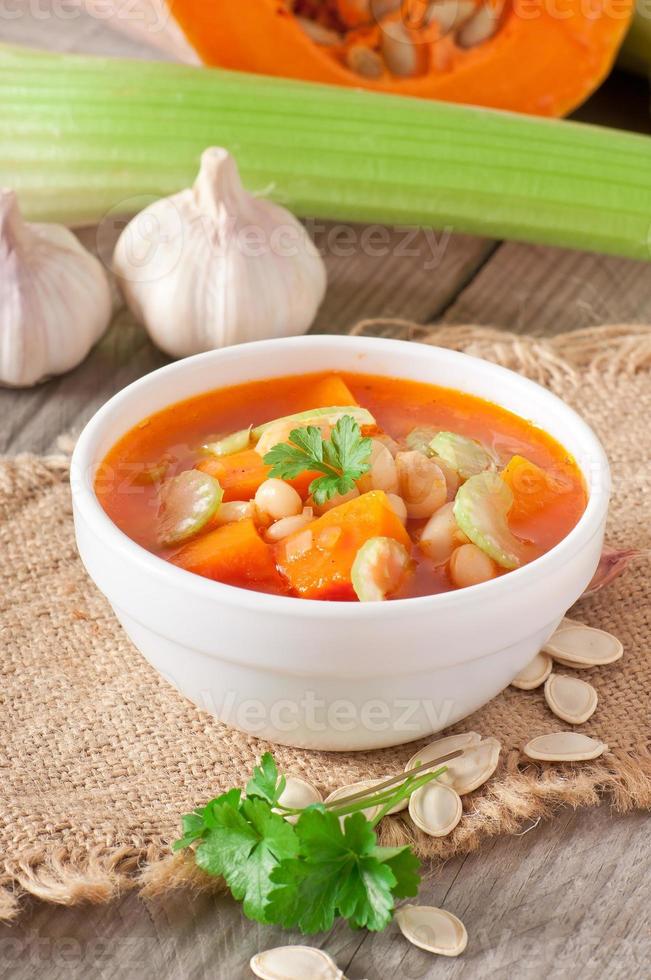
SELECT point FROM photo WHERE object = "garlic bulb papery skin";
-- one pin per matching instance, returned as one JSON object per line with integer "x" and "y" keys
{"x": 55, "y": 298}
{"x": 214, "y": 266}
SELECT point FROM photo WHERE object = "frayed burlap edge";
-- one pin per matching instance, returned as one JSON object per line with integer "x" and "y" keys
{"x": 524, "y": 794}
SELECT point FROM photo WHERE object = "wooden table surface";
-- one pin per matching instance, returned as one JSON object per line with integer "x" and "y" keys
{"x": 569, "y": 898}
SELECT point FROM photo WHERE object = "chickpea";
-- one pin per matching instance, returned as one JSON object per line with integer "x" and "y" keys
{"x": 339, "y": 498}
{"x": 383, "y": 474}
{"x": 441, "y": 535}
{"x": 469, "y": 565}
{"x": 422, "y": 484}
{"x": 289, "y": 525}
{"x": 278, "y": 499}
{"x": 452, "y": 478}
{"x": 389, "y": 442}
{"x": 398, "y": 506}
{"x": 234, "y": 510}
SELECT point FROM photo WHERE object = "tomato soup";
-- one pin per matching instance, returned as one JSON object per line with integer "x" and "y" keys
{"x": 344, "y": 487}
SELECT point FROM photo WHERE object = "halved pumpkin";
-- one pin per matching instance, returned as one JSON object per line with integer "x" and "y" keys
{"x": 543, "y": 59}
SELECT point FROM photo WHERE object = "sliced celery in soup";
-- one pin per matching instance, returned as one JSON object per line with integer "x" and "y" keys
{"x": 481, "y": 510}
{"x": 187, "y": 503}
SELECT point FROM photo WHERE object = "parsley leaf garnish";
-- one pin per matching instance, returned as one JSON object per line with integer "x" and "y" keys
{"x": 303, "y": 875}
{"x": 337, "y": 872}
{"x": 244, "y": 846}
{"x": 342, "y": 459}
{"x": 266, "y": 783}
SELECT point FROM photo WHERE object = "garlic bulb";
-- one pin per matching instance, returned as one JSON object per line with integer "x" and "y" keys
{"x": 214, "y": 265}
{"x": 55, "y": 298}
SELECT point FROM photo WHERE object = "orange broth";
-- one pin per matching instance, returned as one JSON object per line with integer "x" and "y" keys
{"x": 129, "y": 479}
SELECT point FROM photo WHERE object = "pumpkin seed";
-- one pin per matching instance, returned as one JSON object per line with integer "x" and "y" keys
{"x": 318, "y": 33}
{"x": 364, "y": 61}
{"x": 584, "y": 646}
{"x": 436, "y": 809}
{"x": 571, "y": 664}
{"x": 399, "y": 52}
{"x": 432, "y": 929}
{"x": 480, "y": 28}
{"x": 298, "y": 794}
{"x": 534, "y": 674}
{"x": 450, "y": 14}
{"x": 295, "y": 963}
{"x": 564, "y": 747}
{"x": 442, "y": 746}
{"x": 365, "y": 784}
{"x": 570, "y": 699}
{"x": 380, "y": 8}
{"x": 474, "y": 767}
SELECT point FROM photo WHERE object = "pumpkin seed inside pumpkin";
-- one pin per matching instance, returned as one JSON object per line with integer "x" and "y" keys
{"x": 570, "y": 699}
{"x": 436, "y": 809}
{"x": 584, "y": 646}
{"x": 534, "y": 674}
{"x": 399, "y": 51}
{"x": 479, "y": 28}
{"x": 318, "y": 33}
{"x": 295, "y": 963}
{"x": 564, "y": 747}
{"x": 432, "y": 929}
{"x": 449, "y": 14}
{"x": 364, "y": 61}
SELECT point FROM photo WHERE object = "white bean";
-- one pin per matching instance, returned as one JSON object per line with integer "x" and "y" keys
{"x": 383, "y": 474}
{"x": 339, "y": 498}
{"x": 422, "y": 484}
{"x": 441, "y": 535}
{"x": 398, "y": 506}
{"x": 469, "y": 565}
{"x": 289, "y": 525}
{"x": 234, "y": 510}
{"x": 277, "y": 499}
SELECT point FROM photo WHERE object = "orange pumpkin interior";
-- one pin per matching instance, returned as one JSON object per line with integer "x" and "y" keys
{"x": 544, "y": 59}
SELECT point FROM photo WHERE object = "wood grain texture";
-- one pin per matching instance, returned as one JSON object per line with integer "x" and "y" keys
{"x": 568, "y": 898}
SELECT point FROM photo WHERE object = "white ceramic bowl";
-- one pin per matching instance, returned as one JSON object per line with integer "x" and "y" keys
{"x": 331, "y": 675}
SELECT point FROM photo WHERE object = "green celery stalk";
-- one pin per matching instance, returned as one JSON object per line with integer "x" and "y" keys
{"x": 81, "y": 136}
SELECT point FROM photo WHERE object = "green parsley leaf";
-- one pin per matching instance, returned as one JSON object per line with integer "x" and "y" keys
{"x": 405, "y": 867}
{"x": 196, "y": 824}
{"x": 244, "y": 847}
{"x": 266, "y": 783}
{"x": 342, "y": 459}
{"x": 337, "y": 872}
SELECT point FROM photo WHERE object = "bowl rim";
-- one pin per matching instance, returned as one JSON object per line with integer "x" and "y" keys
{"x": 89, "y": 508}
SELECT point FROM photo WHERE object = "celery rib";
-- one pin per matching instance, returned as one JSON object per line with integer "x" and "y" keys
{"x": 79, "y": 136}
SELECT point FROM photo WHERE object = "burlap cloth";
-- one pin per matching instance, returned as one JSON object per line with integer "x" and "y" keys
{"x": 99, "y": 756}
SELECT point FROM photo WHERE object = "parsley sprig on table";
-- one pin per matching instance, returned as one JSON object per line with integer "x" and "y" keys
{"x": 342, "y": 459}
{"x": 307, "y": 874}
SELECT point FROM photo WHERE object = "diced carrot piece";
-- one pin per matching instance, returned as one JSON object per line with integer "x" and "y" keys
{"x": 330, "y": 391}
{"x": 240, "y": 474}
{"x": 234, "y": 554}
{"x": 534, "y": 490}
{"x": 317, "y": 560}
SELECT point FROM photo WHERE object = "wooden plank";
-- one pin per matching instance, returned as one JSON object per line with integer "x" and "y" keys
{"x": 568, "y": 898}
{"x": 537, "y": 290}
